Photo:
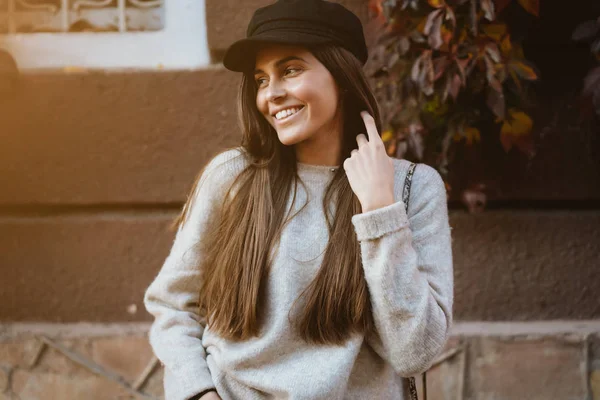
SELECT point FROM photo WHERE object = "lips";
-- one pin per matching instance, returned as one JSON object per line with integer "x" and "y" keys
{"x": 288, "y": 118}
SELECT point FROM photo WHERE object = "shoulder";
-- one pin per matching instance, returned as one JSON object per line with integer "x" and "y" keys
{"x": 223, "y": 168}
{"x": 425, "y": 178}
{"x": 217, "y": 177}
{"x": 427, "y": 188}
{"x": 228, "y": 162}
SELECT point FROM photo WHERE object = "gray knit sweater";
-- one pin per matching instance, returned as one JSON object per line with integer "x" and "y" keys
{"x": 407, "y": 260}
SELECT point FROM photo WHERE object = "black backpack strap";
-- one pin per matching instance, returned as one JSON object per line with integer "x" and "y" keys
{"x": 412, "y": 386}
{"x": 407, "y": 185}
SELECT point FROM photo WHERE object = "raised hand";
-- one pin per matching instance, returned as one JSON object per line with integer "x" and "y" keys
{"x": 370, "y": 170}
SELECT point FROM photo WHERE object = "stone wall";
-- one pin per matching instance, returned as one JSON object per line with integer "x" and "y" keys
{"x": 533, "y": 361}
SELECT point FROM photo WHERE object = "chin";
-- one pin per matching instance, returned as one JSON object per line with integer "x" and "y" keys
{"x": 290, "y": 139}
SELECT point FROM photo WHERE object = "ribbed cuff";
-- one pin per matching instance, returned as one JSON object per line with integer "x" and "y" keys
{"x": 376, "y": 223}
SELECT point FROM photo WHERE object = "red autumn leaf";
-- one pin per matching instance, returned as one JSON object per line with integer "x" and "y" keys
{"x": 435, "y": 37}
{"x": 439, "y": 67}
{"x": 516, "y": 80}
{"x": 450, "y": 16}
{"x": 415, "y": 139}
{"x": 422, "y": 72}
{"x": 524, "y": 70}
{"x": 491, "y": 49}
{"x": 431, "y": 21}
{"x": 447, "y": 35}
{"x": 488, "y": 9}
{"x": 531, "y": 6}
{"x": 462, "y": 65}
{"x": 496, "y": 103}
{"x": 454, "y": 86}
{"x": 376, "y": 7}
{"x": 506, "y": 45}
{"x": 586, "y": 30}
{"x": 491, "y": 74}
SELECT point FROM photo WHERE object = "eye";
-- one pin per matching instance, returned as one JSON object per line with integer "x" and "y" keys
{"x": 292, "y": 69}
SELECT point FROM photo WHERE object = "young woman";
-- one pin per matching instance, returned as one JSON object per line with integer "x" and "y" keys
{"x": 296, "y": 271}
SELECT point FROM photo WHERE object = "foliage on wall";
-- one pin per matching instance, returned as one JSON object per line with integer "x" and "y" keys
{"x": 443, "y": 68}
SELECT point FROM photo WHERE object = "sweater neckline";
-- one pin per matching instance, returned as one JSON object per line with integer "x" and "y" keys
{"x": 318, "y": 172}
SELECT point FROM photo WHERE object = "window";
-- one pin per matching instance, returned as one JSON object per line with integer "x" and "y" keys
{"x": 104, "y": 33}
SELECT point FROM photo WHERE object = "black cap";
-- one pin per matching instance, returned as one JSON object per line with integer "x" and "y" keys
{"x": 300, "y": 22}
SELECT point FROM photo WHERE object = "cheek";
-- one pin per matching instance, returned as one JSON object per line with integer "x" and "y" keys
{"x": 323, "y": 102}
{"x": 261, "y": 104}
{"x": 320, "y": 95}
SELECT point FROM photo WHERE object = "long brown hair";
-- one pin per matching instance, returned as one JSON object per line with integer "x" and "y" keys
{"x": 336, "y": 303}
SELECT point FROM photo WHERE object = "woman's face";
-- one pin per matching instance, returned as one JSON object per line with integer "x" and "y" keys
{"x": 297, "y": 95}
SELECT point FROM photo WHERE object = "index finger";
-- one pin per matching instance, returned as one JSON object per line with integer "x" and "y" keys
{"x": 371, "y": 127}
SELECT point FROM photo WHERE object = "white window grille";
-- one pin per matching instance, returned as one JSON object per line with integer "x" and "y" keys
{"x": 105, "y": 33}
{"x": 33, "y": 16}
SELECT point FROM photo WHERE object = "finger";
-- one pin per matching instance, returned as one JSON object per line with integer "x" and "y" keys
{"x": 353, "y": 152}
{"x": 371, "y": 127}
{"x": 347, "y": 164}
{"x": 361, "y": 140}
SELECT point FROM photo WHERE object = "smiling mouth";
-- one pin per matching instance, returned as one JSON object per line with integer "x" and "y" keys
{"x": 289, "y": 117}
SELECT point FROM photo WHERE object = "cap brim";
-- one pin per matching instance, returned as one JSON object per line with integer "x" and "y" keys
{"x": 240, "y": 56}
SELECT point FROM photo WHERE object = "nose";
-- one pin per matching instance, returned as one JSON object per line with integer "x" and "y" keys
{"x": 275, "y": 91}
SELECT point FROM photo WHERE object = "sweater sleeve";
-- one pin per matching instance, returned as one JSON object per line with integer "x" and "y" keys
{"x": 172, "y": 298}
{"x": 409, "y": 271}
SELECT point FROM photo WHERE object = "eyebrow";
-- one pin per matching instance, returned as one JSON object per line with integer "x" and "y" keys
{"x": 282, "y": 61}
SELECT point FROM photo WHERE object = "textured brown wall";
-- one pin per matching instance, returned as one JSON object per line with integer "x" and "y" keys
{"x": 91, "y": 266}
{"x": 113, "y": 138}
{"x": 93, "y": 166}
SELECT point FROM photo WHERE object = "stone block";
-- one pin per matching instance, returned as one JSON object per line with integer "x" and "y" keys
{"x": 126, "y": 356}
{"x": 445, "y": 380}
{"x": 55, "y": 362}
{"x": 595, "y": 384}
{"x": 42, "y": 386}
{"x": 19, "y": 353}
{"x": 154, "y": 384}
{"x": 532, "y": 369}
{"x": 4, "y": 379}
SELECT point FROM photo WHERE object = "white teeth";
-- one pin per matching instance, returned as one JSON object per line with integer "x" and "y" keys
{"x": 287, "y": 112}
